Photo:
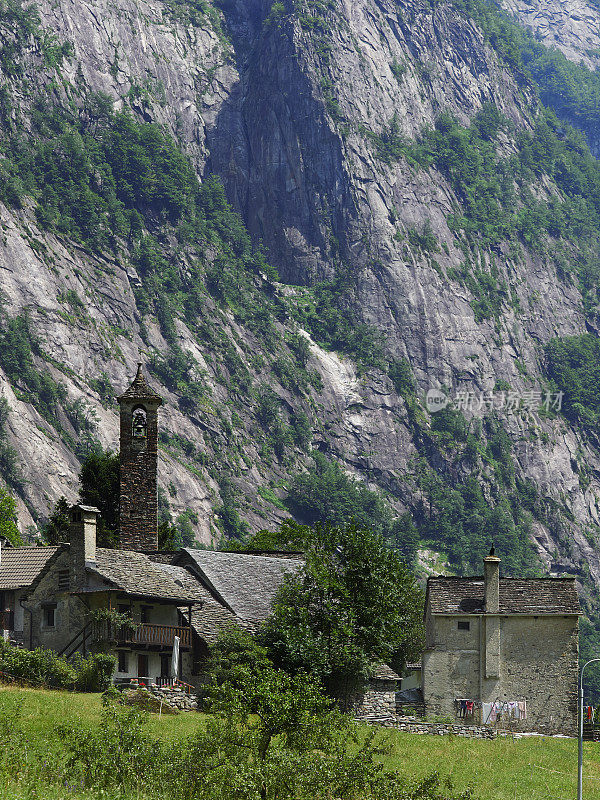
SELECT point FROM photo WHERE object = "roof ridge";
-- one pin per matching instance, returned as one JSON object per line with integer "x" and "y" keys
{"x": 30, "y": 547}
{"x": 502, "y": 578}
{"x": 235, "y": 553}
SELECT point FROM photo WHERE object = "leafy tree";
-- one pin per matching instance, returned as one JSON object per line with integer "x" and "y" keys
{"x": 291, "y": 536}
{"x": 56, "y": 530}
{"x": 9, "y": 528}
{"x": 234, "y": 527}
{"x": 99, "y": 485}
{"x": 325, "y": 493}
{"x": 405, "y": 536}
{"x": 275, "y": 736}
{"x": 590, "y": 648}
{"x": 351, "y": 604}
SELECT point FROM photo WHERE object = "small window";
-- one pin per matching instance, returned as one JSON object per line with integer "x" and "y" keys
{"x": 145, "y": 613}
{"x": 125, "y": 609}
{"x": 123, "y": 661}
{"x": 63, "y": 580}
{"x": 49, "y": 616}
{"x": 464, "y": 625}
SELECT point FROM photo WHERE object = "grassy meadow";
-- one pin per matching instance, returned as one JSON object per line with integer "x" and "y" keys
{"x": 527, "y": 769}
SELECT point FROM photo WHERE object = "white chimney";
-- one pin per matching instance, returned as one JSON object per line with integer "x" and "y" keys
{"x": 491, "y": 583}
{"x": 82, "y": 538}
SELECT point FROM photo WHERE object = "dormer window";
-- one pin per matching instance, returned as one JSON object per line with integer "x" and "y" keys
{"x": 138, "y": 423}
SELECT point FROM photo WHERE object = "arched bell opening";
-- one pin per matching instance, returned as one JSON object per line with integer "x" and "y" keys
{"x": 139, "y": 423}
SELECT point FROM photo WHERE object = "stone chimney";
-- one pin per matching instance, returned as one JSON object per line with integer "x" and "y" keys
{"x": 491, "y": 583}
{"x": 82, "y": 538}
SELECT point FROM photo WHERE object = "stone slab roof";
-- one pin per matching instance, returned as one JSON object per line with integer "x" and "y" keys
{"x": 139, "y": 389}
{"x": 517, "y": 595}
{"x": 20, "y": 566}
{"x": 209, "y": 616}
{"x": 184, "y": 579}
{"x": 381, "y": 672}
{"x": 134, "y": 573}
{"x": 246, "y": 584}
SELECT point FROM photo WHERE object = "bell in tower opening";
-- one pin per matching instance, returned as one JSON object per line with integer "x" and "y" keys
{"x": 138, "y": 425}
{"x": 138, "y": 506}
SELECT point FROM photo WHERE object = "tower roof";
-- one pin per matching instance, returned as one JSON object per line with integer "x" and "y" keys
{"x": 139, "y": 389}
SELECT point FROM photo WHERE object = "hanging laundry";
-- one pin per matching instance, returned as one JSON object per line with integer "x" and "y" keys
{"x": 522, "y": 709}
{"x": 470, "y": 706}
{"x": 489, "y": 712}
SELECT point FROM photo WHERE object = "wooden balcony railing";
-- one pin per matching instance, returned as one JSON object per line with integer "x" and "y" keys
{"x": 165, "y": 681}
{"x": 7, "y": 620}
{"x": 142, "y": 634}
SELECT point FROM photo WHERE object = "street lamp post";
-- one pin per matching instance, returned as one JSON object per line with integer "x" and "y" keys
{"x": 580, "y": 737}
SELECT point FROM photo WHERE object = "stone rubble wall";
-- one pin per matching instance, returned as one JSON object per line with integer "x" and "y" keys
{"x": 173, "y": 696}
{"x": 433, "y": 728}
{"x": 375, "y": 702}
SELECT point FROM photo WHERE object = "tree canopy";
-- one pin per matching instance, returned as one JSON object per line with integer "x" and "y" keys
{"x": 8, "y": 518}
{"x": 352, "y": 604}
{"x": 99, "y": 485}
{"x": 326, "y": 494}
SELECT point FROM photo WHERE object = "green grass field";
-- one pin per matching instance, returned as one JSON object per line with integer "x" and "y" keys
{"x": 526, "y": 769}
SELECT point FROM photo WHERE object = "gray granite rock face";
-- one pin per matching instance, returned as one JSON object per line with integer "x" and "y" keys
{"x": 572, "y": 26}
{"x": 285, "y": 125}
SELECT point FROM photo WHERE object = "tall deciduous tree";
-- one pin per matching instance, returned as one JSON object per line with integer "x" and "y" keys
{"x": 56, "y": 529}
{"x": 99, "y": 486}
{"x": 352, "y": 604}
{"x": 8, "y": 518}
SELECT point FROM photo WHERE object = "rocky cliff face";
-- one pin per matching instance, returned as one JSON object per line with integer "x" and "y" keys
{"x": 285, "y": 104}
{"x": 572, "y": 26}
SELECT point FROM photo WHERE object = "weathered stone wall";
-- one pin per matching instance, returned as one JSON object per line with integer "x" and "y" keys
{"x": 440, "y": 728}
{"x": 175, "y": 697}
{"x": 152, "y": 696}
{"x": 70, "y": 611}
{"x": 537, "y": 663}
{"x": 379, "y": 698}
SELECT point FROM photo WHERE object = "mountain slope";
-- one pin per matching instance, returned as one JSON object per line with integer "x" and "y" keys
{"x": 407, "y": 261}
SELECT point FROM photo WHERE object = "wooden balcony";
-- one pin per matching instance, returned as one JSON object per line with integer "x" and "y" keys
{"x": 143, "y": 635}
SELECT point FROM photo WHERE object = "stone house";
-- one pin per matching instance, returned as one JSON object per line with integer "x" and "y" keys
{"x": 19, "y": 568}
{"x": 74, "y": 602}
{"x": 190, "y": 594}
{"x": 135, "y": 601}
{"x": 493, "y": 640}
{"x": 379, "y": 697}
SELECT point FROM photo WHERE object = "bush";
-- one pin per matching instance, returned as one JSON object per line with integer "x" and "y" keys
{"x": 39, "y": 666}
{"x": 44, "y": 668}
{"x": 116, "y": 753}
{"x": 94, "y": 674}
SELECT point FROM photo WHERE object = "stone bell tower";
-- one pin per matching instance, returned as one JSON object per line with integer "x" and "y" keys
{"x": 138, "y": 508}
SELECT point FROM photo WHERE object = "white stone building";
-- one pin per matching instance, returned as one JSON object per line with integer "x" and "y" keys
{"x": 493, "y": 640}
